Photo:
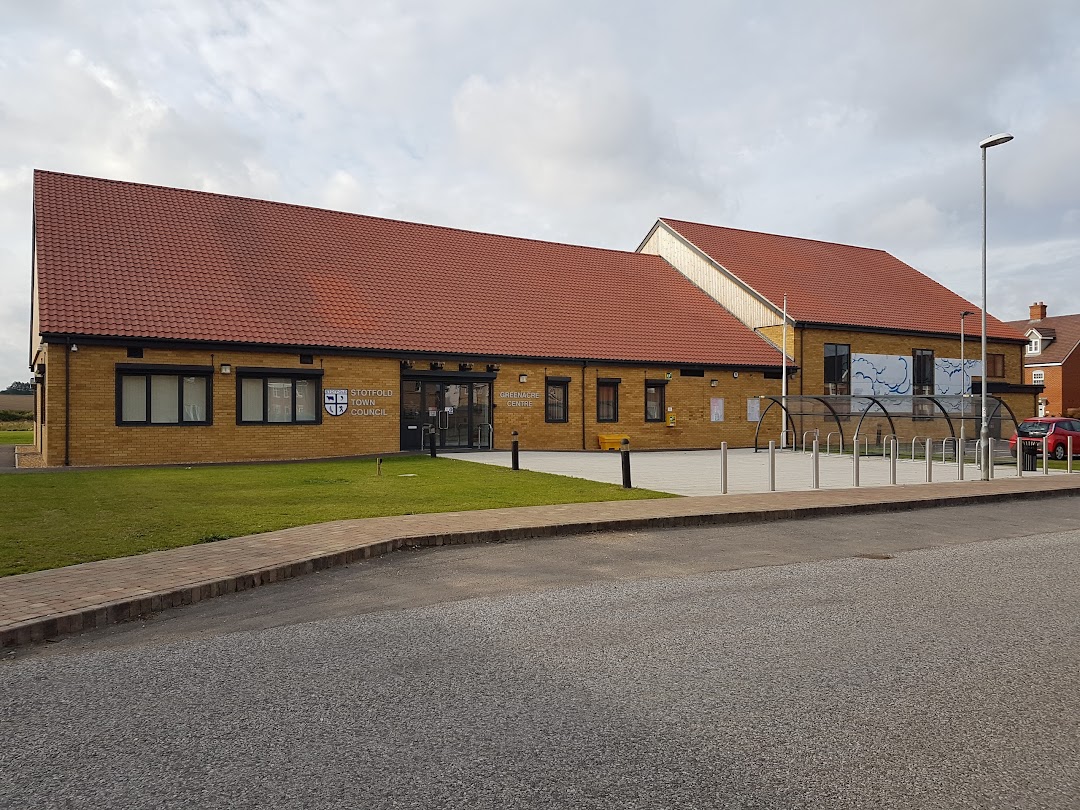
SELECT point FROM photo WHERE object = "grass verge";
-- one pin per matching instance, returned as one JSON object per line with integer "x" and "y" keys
{"x": 63, "y": 518}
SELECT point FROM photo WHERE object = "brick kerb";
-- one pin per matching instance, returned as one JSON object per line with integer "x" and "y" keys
{"x": 147, "y": 602}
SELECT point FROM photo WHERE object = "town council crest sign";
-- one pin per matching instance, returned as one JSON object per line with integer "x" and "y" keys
{"x": 336, "y": 400}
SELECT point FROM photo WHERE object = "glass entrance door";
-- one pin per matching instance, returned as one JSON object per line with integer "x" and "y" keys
{"x": 450, "y": 404}
{"x": 459, "y": 411}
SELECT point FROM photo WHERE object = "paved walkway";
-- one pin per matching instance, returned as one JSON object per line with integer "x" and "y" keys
{"x": 67, "y": 600}
{"x": 697, "y": 472}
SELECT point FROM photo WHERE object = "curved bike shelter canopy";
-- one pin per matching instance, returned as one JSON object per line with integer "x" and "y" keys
{"x": 931, "y": 417}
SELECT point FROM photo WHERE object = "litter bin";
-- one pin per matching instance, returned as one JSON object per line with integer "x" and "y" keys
{"x": 1030, "y": 456}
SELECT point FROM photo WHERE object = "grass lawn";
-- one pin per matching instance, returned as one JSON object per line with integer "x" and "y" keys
{"x": 16, "y": 437}
{"x": 62, "y": 518}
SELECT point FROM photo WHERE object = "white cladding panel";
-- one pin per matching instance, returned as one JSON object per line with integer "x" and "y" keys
{"x": 716, "y": 283}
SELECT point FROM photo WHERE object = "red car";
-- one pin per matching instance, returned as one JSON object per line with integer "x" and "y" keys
{"x": 1056, "y": 429}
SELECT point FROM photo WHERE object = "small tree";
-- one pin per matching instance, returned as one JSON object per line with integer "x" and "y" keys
{"x": 19, "y": 388}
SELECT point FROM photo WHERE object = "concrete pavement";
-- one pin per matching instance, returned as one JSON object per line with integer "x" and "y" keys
{"x": 46, "y": 604}
{"x": 697, "y": 472}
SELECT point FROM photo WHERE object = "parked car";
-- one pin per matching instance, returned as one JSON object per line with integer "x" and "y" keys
{"x": 1056, "y": 429}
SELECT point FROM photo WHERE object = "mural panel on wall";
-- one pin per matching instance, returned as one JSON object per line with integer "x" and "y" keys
{"x": 882, "y": 375}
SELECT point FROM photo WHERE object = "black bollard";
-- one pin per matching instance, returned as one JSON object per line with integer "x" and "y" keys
{"x": 434, "y": 439}
{"x": 514, "y": 451}
{"x": 626, "y": 463}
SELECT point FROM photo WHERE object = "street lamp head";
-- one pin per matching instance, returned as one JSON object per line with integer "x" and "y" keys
{"x": 965, "y": 313}
{"x": 995, "y": 140}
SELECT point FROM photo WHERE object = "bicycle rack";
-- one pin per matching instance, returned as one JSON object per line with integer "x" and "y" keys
{"x": 913, "y": 441}
{"x": 885, "y": 446}
{"x": 828, "y": 443}
{"x": 783, "y": 436}
{"x": 816, "y": 433}
{"x": 945, "y": 446}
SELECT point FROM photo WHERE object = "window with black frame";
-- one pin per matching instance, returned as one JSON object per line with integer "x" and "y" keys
{"x": 838, "y": 369}
{"x": 654, "y": 400}
{"x": 922, "y": 382}
{"x": 268, "y": 397}
{"x": 163, "y": 396}
{"x": 922, "y": 372}
{"x": 607, "y": 400}
{"x": 556, "y": 398}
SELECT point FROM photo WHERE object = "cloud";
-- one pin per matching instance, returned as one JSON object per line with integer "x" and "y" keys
{"x": 840, "y": 120}
{"x": 574, "y": 138}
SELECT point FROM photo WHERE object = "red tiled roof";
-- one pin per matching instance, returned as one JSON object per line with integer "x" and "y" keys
{"x": 129, "y": 260}
{"x": 838, "y": 284}
{"x": 1065, "y": 331}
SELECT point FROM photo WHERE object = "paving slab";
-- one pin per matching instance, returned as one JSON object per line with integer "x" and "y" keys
{"x": 46, "y": 604}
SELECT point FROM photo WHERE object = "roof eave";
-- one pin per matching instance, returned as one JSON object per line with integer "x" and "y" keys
{"x": 396, "y": 354}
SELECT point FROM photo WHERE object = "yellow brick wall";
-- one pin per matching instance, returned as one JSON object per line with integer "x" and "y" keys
{"x": 809, "y": 349}
{"x": 689, "y": 399}
{"x": 96, "y": 439}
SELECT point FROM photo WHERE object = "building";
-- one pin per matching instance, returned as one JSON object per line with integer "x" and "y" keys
{"x": 174, "y": 326}
{"x": 1052, "y": 359}
{"x": 859, "y": 321}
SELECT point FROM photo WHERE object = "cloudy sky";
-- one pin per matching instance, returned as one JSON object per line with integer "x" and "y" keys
{"x": 851, "y": 121}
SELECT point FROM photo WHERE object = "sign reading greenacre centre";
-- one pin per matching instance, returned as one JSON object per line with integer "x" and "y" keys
{"x": 519, "y": 399}
{"x": 357, "y": 401}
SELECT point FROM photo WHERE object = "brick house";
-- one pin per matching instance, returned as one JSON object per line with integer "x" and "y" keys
{"x": 1052, "y": 359}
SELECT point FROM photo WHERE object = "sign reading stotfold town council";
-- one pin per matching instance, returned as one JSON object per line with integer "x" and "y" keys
{"x": 364, "y": 401}
{"x": 519, "y": 399}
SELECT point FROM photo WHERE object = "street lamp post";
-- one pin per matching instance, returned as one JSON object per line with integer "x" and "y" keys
{"x": 963, "y": 383}
{"x": 984, "y": 431}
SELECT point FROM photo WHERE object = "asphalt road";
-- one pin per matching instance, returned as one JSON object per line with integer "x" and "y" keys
{"x": 647, "y": 670}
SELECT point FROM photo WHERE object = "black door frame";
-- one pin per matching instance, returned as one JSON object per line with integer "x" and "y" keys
{"x": 441, "y": 379}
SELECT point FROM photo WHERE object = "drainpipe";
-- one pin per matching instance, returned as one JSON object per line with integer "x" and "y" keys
{"x": 584, "y": 363}
{"x": 67, "y": 402}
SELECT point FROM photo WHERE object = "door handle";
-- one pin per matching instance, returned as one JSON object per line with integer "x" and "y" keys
{"x": 444, "y": 420}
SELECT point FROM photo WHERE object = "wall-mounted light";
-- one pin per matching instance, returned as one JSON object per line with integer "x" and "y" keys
{"x": 667, "y": 376}
{"x": 493, "y": 367}
{"x": 523, "y": 378}
{"x": 406, "y": 364}
{"x": 713, "y": 383}
{"x": 436, "y": 365}
{"x": 735, "y": 374}
{"x": 74, "y": 348}
{"x": 226, "y": 368}
{"x": 465, "y": 366}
